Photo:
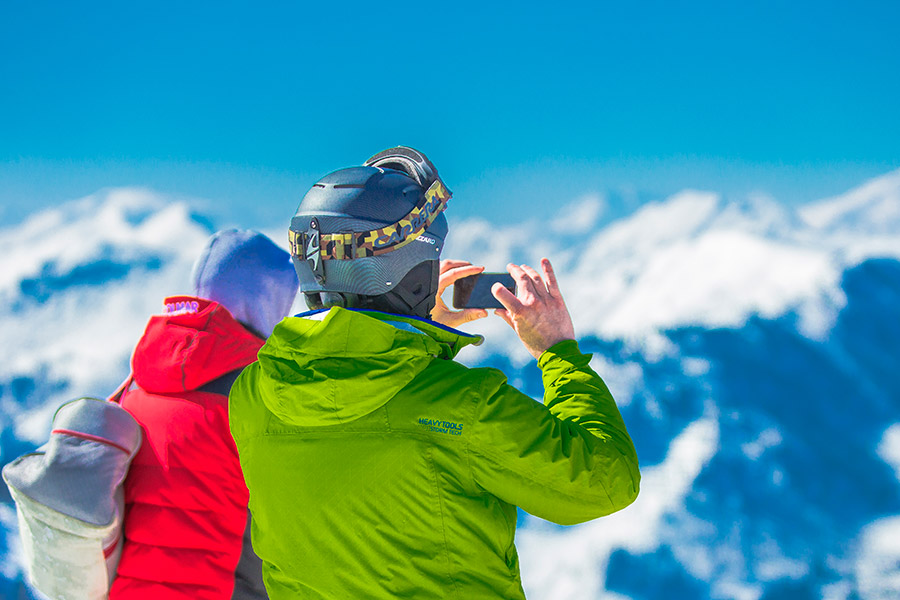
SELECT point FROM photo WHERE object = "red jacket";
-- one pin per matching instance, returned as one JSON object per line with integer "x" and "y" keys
{"x": 186, "y": 502}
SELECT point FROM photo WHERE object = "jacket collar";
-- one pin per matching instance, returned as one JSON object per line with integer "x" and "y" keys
{"x": 454, "y": 339}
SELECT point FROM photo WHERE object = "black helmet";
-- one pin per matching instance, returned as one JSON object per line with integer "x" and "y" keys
{"x": 371, "y": 236}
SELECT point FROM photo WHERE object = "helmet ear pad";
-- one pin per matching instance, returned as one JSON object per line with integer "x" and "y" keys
{"x": 414, "y": 295}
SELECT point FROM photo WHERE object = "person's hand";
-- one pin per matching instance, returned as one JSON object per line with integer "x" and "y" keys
{"x": 451, "y": 272}
{"x": 537, "y": 311}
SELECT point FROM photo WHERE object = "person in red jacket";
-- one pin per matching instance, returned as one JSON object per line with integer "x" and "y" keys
{"x": 186, "y": 501}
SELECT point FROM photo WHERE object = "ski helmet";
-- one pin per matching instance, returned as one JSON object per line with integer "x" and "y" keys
{"x": 371, "y": 236}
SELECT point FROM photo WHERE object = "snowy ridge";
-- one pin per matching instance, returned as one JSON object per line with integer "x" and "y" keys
{"x": 694, "y": 260}
{"x": 125, "y": 225}
{"x": 873, "y": 208}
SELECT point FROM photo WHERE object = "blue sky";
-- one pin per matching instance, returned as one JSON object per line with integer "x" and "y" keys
{"x": 520, "y": 106}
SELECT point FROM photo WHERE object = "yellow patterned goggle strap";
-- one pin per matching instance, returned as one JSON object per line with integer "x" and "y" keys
{"x": 360, "y": 244}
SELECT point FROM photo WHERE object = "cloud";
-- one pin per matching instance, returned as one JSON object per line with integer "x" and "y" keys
{"x": 889, "y": 447}
{"x": 579, "y": 216}
{"x": 875, "y": 568}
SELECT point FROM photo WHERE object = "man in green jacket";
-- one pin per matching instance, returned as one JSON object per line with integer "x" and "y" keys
{"x": 378, "y": 466}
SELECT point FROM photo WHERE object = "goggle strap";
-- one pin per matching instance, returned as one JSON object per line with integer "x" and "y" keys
{"x": 361, "y": 244}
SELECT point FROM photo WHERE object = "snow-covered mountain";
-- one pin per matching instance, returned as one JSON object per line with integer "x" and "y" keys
{"x": 752, "y": 349}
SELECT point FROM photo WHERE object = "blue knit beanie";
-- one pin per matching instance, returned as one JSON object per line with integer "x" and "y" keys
{"x": 248, "y": 274}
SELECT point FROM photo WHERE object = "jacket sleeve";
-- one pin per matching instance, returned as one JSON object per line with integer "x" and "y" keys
{"x": 568, "y": 460}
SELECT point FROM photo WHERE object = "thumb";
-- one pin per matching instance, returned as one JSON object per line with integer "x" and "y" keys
{"x": 506, "y": 298}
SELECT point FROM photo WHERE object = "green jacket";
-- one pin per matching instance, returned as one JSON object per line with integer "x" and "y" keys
{"x": 378, "y": 467}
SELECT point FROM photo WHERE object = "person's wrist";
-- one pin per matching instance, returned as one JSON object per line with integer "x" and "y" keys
{"x": 563, "y": 347}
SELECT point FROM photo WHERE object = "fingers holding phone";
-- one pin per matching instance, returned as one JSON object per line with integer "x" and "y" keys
{"x": 530, "y": 302}
{"x": 451, "y": 271}
{"x": 536, "y": 311}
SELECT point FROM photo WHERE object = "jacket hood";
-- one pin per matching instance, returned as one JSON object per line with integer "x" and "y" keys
{"x": 193, "y": 343}
{"x": 334, "y": 366}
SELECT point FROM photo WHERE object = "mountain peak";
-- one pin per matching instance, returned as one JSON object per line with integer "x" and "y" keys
{"x": 873, "y": 207}
{"x": 126, "y": 226}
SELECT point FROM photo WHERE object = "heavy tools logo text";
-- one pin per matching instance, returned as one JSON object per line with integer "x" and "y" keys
{"x": 438, "y": 426}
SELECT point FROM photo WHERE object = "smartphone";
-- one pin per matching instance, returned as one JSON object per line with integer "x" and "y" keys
{"x": 474, "y": 291}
